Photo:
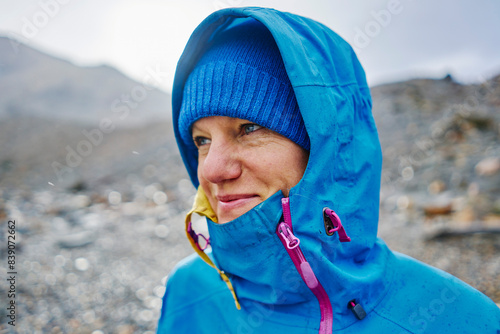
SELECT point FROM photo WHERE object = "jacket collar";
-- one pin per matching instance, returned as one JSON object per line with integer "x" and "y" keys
{"x": 251, "y": 259}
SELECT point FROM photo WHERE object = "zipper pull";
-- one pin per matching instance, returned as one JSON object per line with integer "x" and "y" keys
{"x": 292, "y": 243}
{"x": 333, "y": 224}
{"x": 286, "y": 232}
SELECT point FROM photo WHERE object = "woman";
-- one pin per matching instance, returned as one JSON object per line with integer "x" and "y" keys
{"x": 272, "y": 116}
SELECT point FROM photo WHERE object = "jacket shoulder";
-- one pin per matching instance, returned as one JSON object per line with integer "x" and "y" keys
{"x": 194, "y": 291}
{"x": 423, "y": 298}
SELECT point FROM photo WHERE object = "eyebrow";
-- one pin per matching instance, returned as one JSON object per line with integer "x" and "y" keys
{"x": 194, "y": 127}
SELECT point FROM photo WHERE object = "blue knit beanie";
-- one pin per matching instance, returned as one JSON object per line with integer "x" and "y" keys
{"x": 241, "y": 74}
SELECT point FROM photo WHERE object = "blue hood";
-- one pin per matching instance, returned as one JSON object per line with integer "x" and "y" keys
{"x": 345, "y": 158}
{"x": 343, "y": 171}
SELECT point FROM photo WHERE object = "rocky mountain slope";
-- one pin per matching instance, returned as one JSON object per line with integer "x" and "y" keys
{"x": 441, "y": 147}
{"x": 99, "y": 204}
{"x": 35, "y": 84}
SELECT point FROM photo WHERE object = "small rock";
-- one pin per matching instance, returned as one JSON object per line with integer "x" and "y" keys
{"x": 82, "y": 264}
{"x": 435, "y": 210}
{"x": 436, "y": 187}
{"x": 488, "y": 166}
{"x": 77, "y": 239}
{"x": 438, "y": 205}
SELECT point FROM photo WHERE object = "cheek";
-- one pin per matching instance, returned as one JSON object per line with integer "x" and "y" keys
{"x": 282, "y": 169}
{"x": 294, "y": 165}
{"x": 205, "y": 185}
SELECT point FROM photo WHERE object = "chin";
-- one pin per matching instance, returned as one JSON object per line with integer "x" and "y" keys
{"x": 223, "y": 219}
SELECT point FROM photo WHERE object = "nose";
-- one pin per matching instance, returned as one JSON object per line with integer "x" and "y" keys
{"x": 222, "y": 163}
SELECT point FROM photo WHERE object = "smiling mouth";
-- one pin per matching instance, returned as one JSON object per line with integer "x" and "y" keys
{"x": 235, "y": 198}
{"x": 232, "y": 202}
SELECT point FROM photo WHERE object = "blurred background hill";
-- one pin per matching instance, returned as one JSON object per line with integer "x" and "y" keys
{"x": 56, "y": 89}
{"x": 90, "y": 171}
{"x": 47, "y": 102}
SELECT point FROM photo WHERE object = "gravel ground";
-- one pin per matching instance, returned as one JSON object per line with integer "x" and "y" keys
{"x": 87, "y": 266}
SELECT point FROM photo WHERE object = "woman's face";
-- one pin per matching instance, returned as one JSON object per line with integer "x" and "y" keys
{"x": 241, "y": 164}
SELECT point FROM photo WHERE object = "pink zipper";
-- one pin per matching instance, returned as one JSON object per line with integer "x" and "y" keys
{"x": 291, "y": 243}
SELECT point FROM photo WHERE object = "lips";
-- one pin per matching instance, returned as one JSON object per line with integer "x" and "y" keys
{"x": 230, "y": 207}
{"x": 233, "y": 198}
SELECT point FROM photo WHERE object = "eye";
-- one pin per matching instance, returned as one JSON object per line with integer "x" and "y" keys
{"x": 251, "y": 127}
{"x": 200, "y": 141}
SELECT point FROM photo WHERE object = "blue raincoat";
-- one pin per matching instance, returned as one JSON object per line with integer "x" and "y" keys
{"x": 264, "y": 280}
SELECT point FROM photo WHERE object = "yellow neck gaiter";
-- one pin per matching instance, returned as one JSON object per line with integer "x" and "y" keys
{"x": 202, "y": 207}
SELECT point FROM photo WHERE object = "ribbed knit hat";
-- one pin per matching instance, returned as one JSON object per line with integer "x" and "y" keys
{"x": 241, "y": 74}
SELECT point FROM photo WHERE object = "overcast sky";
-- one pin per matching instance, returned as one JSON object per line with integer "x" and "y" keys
{"x": 394, "y": 39}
